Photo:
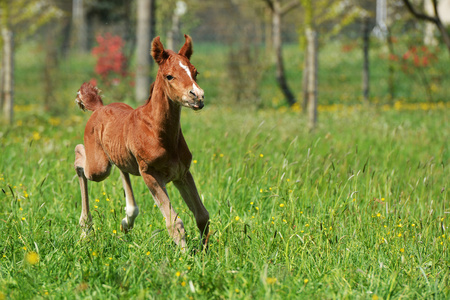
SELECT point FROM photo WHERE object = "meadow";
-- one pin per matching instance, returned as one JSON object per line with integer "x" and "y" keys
{"x": 356, "y": 209}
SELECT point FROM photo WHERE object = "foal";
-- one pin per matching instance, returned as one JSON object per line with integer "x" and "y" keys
{"x": 146, "y": 141}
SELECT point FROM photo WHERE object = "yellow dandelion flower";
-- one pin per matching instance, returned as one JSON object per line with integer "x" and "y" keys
{"x": 114, "y": 231}
{"x": 251, "y": 203}
{"x": 32, "y": 258}
{"x": 24, "y": 248}
{"x": 23, "y": 218}
{"x": 148, "y": 253}
{"x": 178, "y": 273}
{"x": 399, "y": 235}
{"x": 20, "y": 208}
{"x": 261, "y": 155}
{"x": 107, "y": 199}
{"x": 382, "y": 199}
{"x": 97, "y": 200}
{"x": 378, "y": 215}
{"x": 257, "y": 208}
{"x": 271, "y": 280}
{"x": 221, "y": 155}
{"x": 183, "y": 283}
{"x": 413, "y": 225}
{"x": 236, "y": 218}
{"x": 306, "y": 225}
{"x": 305, "y": 281}
{"x": 36, "y": 136}
{"x": 94, "y": 253}
{"x": 260, "y": 190}
{"x": 402, "y": 250}
{"x": 375, "y": 297}
{"x": 194, "y": 161}
{"x": 236, "y": 290}
{"x": 189, "y": 267}
{"x": 282, "y": 205}
{"x": 95, "y": 206}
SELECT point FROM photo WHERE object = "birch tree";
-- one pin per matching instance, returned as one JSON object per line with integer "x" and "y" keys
{"x": 144, "y": 34}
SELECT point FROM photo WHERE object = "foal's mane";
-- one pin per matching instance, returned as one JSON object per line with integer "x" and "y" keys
{"x": 151, "y": 91}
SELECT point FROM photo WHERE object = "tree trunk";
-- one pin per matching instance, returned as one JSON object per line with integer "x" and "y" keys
{"x": 51, "y": 61}
{"x": 145, "y": 12}
{"x": 365, "y": 73}
{"x": 79, "y": 25}
{"x": 268, "y": 32}
{"x": 305, "y": 82}
{"x": 8, "y": 72}
{"x": 391, "y": 85}
{"x": 311, "y": 37}
{"x": 280, "y": 74}
{"x": 174, "y": 32}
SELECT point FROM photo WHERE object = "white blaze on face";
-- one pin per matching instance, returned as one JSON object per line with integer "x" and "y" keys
{"x": 186, "y": 69}
{"x": 195, "y": 88}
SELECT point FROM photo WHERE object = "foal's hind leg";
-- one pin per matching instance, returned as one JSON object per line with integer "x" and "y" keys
{"x": 94, "y": 167}
{"x": 80, "y": 162}
{"x": 131, "y": 210}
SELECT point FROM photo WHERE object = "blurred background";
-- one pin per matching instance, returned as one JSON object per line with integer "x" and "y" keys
{"x": 303, "y": 55}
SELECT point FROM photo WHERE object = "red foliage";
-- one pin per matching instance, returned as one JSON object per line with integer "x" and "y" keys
{"x": 110, "y": 59}
{"x": 419, "y": 57}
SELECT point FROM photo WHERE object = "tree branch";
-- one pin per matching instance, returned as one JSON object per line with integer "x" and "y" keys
{"x": 420, "y": 15}
{"x": 289, "y": 6}
{"x": 270, "y": 4}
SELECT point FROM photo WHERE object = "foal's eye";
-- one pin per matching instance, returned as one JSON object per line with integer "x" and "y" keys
{"x": 169, "y": 77}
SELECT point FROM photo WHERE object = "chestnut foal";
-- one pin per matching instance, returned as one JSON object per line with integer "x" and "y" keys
{"x": 146, "y": 141}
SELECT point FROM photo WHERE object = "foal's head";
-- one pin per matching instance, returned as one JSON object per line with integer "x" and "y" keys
{"x": 177, "y": 74}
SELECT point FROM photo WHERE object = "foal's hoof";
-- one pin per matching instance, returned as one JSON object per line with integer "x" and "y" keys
{"x": 124, "y": 227}
{"x": 86, "y": 232}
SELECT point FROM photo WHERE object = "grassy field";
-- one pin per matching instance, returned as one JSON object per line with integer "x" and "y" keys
{"x": 356, "y": 209}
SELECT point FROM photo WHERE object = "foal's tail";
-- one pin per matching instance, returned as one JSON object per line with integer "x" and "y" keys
{"x": 88, "y": 97}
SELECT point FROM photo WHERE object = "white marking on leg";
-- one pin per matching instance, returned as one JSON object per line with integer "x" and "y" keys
{"x": 186, "y": 69}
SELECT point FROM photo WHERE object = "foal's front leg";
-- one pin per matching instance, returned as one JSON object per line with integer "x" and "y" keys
{"x": 131, "y": 210}
{"x": 189, "y": 192}
{"x": 174, "y": 223}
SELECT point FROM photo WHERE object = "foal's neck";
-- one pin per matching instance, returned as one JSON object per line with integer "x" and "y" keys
{"x": 163, "y": 115}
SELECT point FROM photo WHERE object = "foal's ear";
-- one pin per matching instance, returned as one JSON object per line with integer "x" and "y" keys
{"x": 158, "y": 52}
{"x": 187, "y": 50}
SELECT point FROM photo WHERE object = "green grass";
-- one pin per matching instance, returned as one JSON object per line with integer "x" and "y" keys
{"x": 356, "y": 209}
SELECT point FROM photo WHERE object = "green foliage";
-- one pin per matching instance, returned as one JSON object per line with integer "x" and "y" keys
{"x": 25, "y": 17}
{"x": 356, "y": 209}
